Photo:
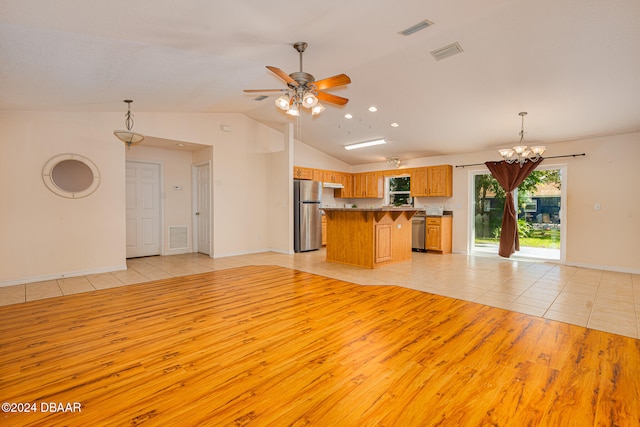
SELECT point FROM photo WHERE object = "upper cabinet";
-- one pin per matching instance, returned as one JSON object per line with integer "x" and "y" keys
{"x": 419, "y": 182}
{"x": 432, "y": 181}
{"x": 440, "y": 181}
{"x": 346, "y": 180}
{"x": 302, "y": 173}
{"x": 428, "y": 181}
{"x": 367, "y": 185}
{"x": 332, "y": 176}
{"x": 307, "y": 173}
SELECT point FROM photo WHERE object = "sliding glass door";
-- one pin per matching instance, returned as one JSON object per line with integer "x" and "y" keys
{"x": 540, "y": 206}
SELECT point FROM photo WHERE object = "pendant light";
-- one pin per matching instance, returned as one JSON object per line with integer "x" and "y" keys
{"x": 521, "y": 153}
{"x": 128, "y": 136}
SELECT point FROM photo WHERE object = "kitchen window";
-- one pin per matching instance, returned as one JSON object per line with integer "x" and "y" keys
{"x": 398, "y": 191}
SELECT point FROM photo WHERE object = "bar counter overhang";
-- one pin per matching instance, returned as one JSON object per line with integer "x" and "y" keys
{"x": 369, "y": 237}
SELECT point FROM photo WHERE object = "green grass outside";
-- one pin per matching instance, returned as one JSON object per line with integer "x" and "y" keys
{"x": 548, "y": 239}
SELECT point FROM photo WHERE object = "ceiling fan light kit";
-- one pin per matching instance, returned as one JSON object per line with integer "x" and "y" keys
{"x": 317, "y": 109}
{"x": 303, "y": 90}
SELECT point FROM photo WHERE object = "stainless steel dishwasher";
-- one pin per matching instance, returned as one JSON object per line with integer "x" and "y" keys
{"x": 418, "y": 231}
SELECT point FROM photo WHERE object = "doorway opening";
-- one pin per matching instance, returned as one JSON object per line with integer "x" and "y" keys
{"x": 540, "y": 209}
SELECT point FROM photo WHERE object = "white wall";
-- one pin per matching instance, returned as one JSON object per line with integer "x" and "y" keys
{"x": 307, "y": 156}
{"x": 46, "y": 236}
{"x": 280, "y": 198}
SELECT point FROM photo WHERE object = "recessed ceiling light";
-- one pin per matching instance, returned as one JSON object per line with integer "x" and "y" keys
{"x": 348, "y": 116}
{"x": 373, "y": 109}
{"x": 365, "y": 144}
{"x": 180, "y": 144}
{"x": 394, "y": 125}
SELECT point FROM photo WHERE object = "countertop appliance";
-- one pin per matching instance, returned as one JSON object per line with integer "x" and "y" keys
{"x": 418, "y": 231}
{"x": 307, "y": 216}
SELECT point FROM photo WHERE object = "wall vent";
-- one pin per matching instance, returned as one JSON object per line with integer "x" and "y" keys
{"x": 447, "y": 51}
{"x": 414, "y": 29}
{"x": 178, "y": 237}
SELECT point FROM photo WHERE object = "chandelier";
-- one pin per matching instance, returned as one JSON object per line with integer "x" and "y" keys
{"x": 521, "y": 153}
{"x": 127, "y": 136}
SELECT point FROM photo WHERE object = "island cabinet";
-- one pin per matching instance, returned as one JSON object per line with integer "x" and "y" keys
{"x": 367, "y": 185}
{"x": 439, "y": 234}
{"x": 324, "y": 230}
{"x": 369, "y": 238}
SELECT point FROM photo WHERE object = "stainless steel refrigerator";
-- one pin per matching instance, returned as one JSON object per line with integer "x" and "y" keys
{"x": 307, "y": 217}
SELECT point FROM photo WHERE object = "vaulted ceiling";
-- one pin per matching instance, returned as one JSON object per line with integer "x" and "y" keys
{"x": 573, "y": 65}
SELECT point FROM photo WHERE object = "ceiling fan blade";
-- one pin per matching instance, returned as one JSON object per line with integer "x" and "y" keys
{"x": 284, "y": 76}
{"x": 334, "y": 99}
{"x": 337, "y": 80}
{"x": 264, "y": 90}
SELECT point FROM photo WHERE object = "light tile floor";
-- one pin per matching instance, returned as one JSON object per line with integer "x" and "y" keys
{"x": 602, "y": 300}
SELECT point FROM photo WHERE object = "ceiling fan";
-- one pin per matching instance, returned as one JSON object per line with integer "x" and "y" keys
{"x": 303, "y": 90}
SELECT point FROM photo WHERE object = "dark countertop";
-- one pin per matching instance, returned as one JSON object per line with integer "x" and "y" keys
{"x": 382, "y": 209}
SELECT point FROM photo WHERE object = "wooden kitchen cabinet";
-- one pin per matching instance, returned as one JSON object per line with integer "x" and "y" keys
{"x": 346, "y": 179}
{"x": 419, "y": 182}
{"x": 439, "y": 234}
{"x": 367, "y": 185}
{"x": 332, "y": 176}
{"x": 302, "y": 173}
{"x": 383, "y": 243}
{"x": 324, "y": 230}
{"x": 432, "y": 181}
{"x": 439, "y": 181}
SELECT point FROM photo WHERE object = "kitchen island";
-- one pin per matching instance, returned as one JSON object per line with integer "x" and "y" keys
{"x": 369, "y": 238}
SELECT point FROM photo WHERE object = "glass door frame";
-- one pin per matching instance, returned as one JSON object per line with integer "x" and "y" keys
{"x": 563, "y": 208}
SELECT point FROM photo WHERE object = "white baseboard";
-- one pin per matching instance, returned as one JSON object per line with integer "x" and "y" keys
{"x": 604, "y": 267}
{"x": 55, "y": 276}
{"x": 253, "y": 251}
{"x": 238, "y": 253}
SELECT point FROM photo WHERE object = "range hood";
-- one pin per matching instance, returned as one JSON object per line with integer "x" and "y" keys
{"x": 332, "y": 185}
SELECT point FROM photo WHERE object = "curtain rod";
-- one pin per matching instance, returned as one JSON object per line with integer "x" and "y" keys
{"x": 551, "y": 157}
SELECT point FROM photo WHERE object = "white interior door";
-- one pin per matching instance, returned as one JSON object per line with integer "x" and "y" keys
{"x": 203, "y": 208}
{"x": 143, "y": 209}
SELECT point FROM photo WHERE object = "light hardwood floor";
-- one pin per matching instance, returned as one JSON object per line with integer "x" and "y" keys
{"x": 272, "y": 346}
{"x": 602, "y": 300}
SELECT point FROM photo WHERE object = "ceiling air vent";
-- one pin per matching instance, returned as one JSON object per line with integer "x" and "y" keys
{"x": 419, "y": 26}
{"x": 447, "y": 51}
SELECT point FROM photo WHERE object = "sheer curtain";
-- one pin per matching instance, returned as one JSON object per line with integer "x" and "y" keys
{"x": 510, "y": 176}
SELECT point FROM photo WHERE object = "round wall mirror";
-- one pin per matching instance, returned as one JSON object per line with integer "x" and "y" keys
{"x": 71, "y": 175}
